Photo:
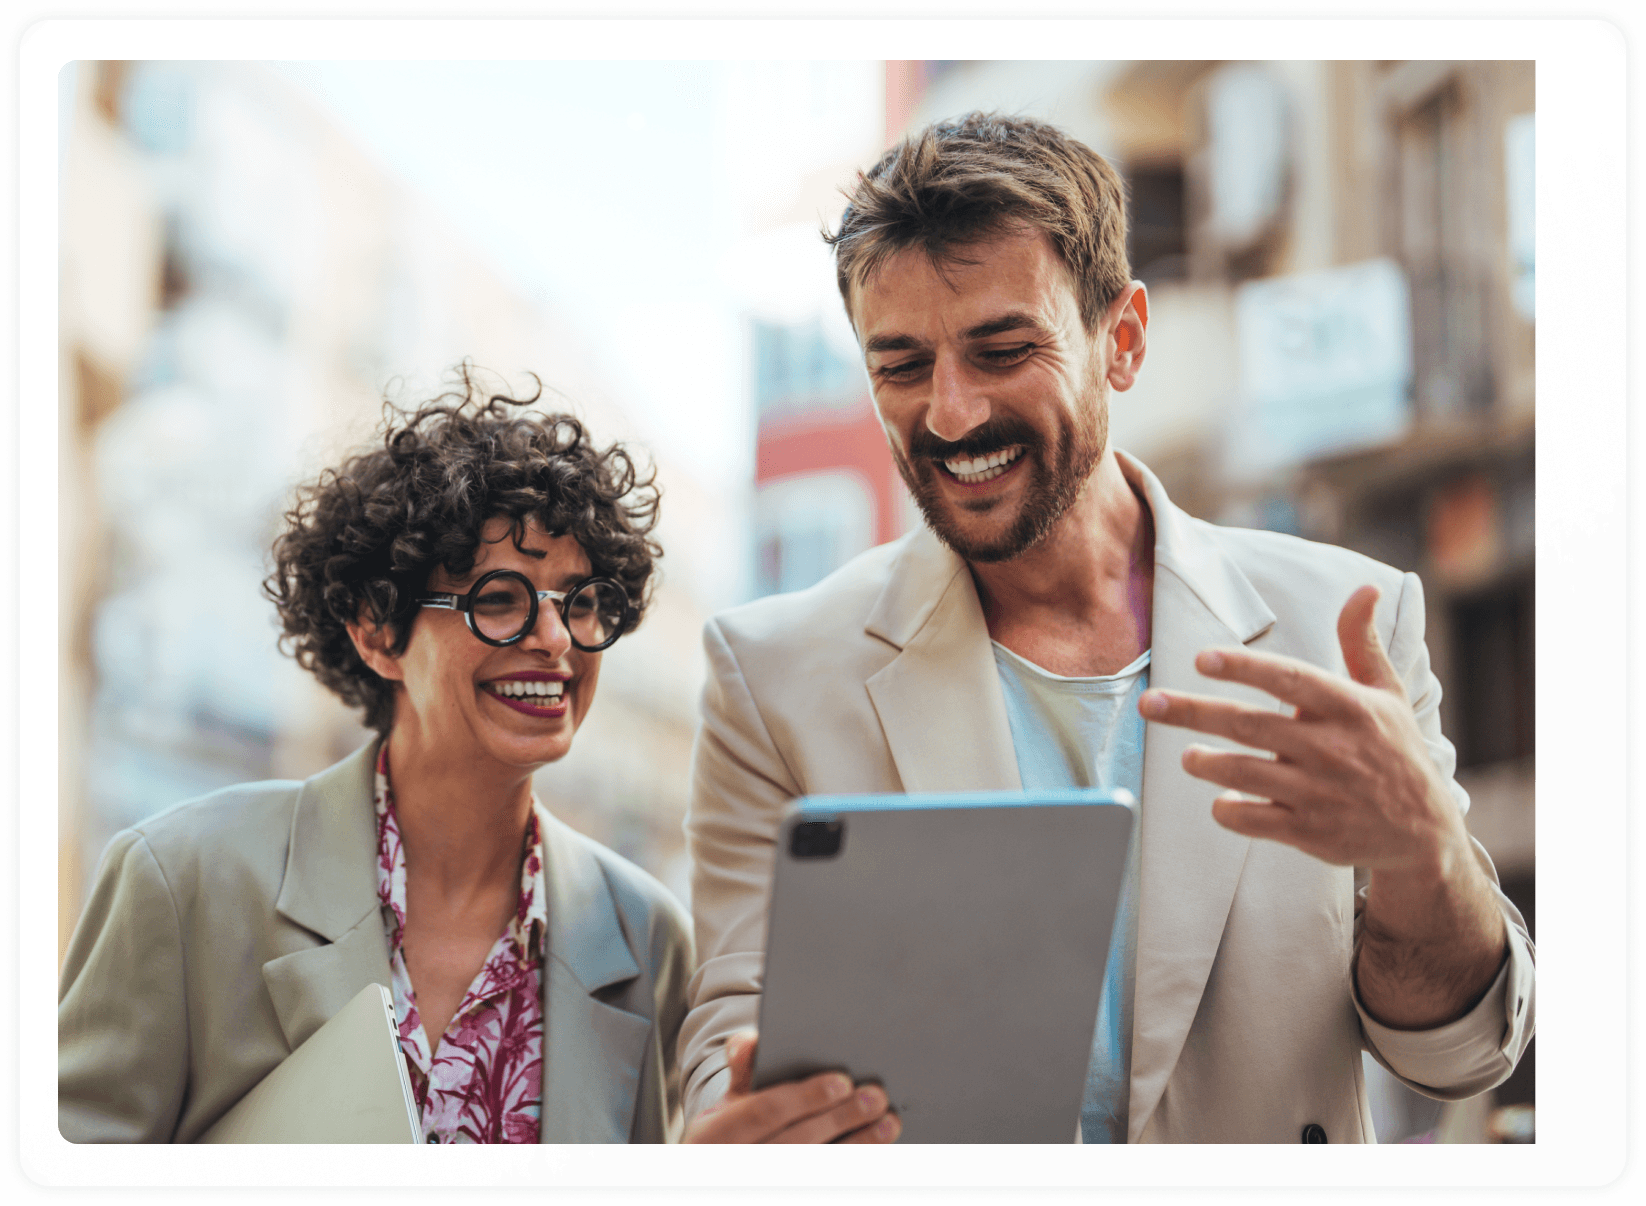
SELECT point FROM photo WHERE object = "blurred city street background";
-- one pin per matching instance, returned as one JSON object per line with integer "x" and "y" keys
{"x": 254, "y": 256}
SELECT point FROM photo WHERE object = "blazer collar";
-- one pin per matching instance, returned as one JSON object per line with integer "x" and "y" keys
{"x": 1188, "y": 864}
{"x": 330, "y": 888}
{"x": 1184, "y": 548}
{"x": 330, "y": 882}
{"x": 939, "y": 701}
{"x": 594, "y": 1053}
{"x": 584, "y": 932}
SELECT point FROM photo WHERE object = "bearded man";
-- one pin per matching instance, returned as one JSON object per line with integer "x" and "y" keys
{"x": 1298, "y": 891}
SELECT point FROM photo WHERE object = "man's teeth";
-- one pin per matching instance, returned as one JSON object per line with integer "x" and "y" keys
{"x": 982, "y": 468}
{"x": 516, "y": 688}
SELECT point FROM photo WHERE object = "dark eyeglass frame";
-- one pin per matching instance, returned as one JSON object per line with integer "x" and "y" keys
{"x": 534, "y": 597}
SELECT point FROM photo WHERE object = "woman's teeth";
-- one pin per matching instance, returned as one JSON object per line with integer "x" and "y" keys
{"x": 983, "y": 468}
{"x": 515, "y": 688}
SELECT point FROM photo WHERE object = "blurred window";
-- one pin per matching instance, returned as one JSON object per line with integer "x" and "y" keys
{"x": 1245, "y": 166}
{"x": 809, "y": 525}
{"x": 158, "y": 106}
{"x": 1493, "y": 670}
{"x": 1156, "y": 241}
{"x": 1448, "y": 295}
{"x": 1520, "y": 182}
{"x": 795, "y": 368}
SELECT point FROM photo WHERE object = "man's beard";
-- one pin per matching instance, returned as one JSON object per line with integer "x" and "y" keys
{"x": 1057, "y": 474}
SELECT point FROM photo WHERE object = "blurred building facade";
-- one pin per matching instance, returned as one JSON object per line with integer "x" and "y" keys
{"x": 241, "y": 287}
{"x": 1341, "y": 280}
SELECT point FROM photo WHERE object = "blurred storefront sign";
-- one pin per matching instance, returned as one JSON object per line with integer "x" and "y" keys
{"x": 1325, "y": 366}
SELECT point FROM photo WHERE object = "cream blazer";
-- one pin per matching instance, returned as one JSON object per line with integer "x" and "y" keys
{"x": 881, "y": 679}
{"x": 222, "y": 933}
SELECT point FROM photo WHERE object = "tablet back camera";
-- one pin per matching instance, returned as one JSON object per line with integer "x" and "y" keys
{"x": 816, "y": 839}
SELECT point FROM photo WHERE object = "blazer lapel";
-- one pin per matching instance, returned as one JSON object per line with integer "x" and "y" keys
{"x": 939, "y": 701}
{"x": 593, "y": 1053}
{"x": 330, "y": 888}
{"x": 1188, "y": 863}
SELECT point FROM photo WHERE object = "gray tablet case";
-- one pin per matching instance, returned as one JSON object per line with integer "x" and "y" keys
{"x": 948, "y": 947}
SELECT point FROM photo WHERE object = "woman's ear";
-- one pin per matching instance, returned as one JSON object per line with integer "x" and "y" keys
{"x": 372, "y": 641}
{"x": 1128, "y": 323}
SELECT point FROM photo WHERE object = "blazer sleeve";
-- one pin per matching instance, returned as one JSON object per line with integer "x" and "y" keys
{"x": 1479, "y": 1050}
{"x": 122, "y": 1013}
{"x": 740, "y": 785}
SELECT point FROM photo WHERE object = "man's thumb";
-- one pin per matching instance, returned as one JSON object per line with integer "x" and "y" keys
{"x": 1362, "y": 647}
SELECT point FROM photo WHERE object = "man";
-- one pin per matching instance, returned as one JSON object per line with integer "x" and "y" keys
{"x": 1290, "y": 899}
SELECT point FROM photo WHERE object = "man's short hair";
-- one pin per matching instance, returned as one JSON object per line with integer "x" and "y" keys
{"x": 362, "y": 539}
{"x": 970, "y": 178}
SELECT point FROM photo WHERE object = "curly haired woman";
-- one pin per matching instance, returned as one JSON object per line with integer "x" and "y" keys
{"x": 458, "y": 583}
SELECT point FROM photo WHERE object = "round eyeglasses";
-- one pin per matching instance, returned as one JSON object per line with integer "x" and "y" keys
{"x": 501, "y": 609}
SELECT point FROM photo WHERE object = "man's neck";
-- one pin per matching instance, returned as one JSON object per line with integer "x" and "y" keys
{"x": 1078, "y": 603}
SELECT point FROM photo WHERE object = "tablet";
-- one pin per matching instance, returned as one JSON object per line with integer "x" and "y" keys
{"x": 346, "y": 1083}
{"x": 949, "y": 948}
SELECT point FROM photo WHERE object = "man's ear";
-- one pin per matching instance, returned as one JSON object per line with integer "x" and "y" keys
{"x": 1126, "y": 324}
{"x": 372, "y": 641}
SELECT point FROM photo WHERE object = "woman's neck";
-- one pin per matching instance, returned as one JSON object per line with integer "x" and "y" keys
{"x": 462, "y": 820}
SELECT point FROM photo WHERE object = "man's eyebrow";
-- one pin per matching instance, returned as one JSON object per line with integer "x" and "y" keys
{"x": 1015, "y": 321}
{"x": 894, "y": 343}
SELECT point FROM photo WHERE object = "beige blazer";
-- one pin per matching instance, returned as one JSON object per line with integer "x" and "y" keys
{"x": 222, "y": 933}
{"x": 882, "y": 679}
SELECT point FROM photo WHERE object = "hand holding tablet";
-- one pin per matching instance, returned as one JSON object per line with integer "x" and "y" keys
{"x": 820, "y": 1109}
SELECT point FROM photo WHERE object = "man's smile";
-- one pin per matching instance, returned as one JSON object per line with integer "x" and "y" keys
{"x": 974, "y": 471}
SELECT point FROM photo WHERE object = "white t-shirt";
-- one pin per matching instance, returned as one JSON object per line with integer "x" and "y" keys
{"x": 1086, "y": 732}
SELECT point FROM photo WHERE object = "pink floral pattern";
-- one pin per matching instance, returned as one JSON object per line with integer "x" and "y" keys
{"x": 485, "y": 1084}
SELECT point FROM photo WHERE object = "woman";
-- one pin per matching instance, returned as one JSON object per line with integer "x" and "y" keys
{"x": 458, "y": 584}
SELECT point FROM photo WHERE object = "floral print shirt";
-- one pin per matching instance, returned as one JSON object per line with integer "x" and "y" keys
{"x": 484, "y": 1084}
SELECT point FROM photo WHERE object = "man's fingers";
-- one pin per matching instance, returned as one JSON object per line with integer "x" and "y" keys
{"x": 1254, "y": 818}
{"x": 1254, "y": 776}
{"x": 1307, "y": 688}
{"x": 861, "y": 1113}
{"x": 758, "y": 1117}
{"x": 885, "y": 1131}
{"x": 1254, "y": 727}
{"x": 1363, "y": 651}
{"x": 740, "y": 1048}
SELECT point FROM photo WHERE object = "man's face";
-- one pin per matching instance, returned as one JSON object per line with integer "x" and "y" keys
{"x": 993, "y": 396}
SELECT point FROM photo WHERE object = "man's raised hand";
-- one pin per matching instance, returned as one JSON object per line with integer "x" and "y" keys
{"x": 825, "y": 1108}
{"x": 1351, "y": 782}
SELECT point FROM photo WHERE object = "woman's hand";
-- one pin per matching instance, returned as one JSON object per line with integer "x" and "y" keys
{"x": 820, "y": 1109}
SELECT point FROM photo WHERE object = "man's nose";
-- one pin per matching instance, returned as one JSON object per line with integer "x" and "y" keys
{"x": 958, "y": 403}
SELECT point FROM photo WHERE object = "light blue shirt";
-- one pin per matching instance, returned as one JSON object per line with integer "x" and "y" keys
{"x": 1086, "y": 732}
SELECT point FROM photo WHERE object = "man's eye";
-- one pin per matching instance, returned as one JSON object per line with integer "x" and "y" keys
{"x": 1008, "y": 355}
{"x": 902, "y": 371}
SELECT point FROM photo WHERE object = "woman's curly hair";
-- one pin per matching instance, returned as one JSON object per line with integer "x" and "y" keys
{"x": 362, "y": 539}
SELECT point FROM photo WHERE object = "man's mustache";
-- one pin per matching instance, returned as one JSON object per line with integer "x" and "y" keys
{"x": 989, "y": 437}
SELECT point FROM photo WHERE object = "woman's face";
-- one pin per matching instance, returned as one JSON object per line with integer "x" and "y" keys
{"x": 457, "y": 694}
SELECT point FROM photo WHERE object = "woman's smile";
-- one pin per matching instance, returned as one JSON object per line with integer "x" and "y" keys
{"x": 533, "y": 692}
